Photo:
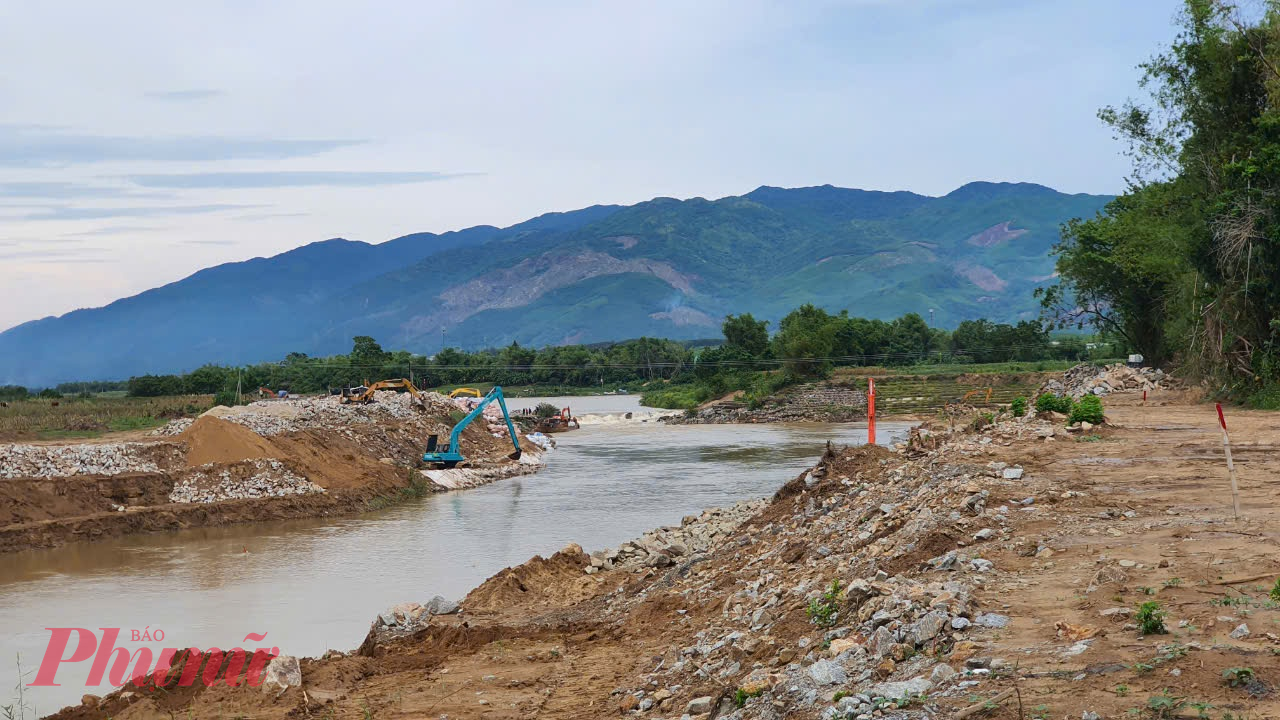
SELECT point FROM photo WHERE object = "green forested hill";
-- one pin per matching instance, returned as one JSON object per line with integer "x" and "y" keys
{"x": 665, "y": 267}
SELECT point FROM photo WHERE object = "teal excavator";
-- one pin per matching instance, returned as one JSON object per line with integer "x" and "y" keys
{"x": 449, "y": 455}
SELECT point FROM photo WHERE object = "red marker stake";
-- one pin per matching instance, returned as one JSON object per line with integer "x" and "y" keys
{"x": 871, "y": 411}
{"x": 1231, "y": 467}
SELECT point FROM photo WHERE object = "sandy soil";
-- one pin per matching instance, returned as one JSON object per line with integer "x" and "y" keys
{"x": 546, "y": 640}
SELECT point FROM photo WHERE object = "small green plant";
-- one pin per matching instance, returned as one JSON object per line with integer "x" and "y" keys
{"x": 1048, "y": 402}
{"x": 1040, "y": 712}
{"x": 1089, "y": 410}
{"x": 1142, "y": 668}
{"x": 1145, "y": 590}
{"x": 1275, "y": 591}
{"x": 822, "y": 611}
{"x": 1238, "y": 676}
{"x": 840, "y": 695}
{"x": 1173, "y": 582}
{"x": 1151, "y": 618}
{"x": 1164, "y": 705}
{"x": 1202, "y": 709}
{"x": 1122, "y": 690}
{"x": 741, "y": 697}
{"x": 1018, "y": 407}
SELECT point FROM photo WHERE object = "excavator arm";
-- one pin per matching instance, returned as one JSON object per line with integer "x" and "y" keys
{"x": 450, "y": 455}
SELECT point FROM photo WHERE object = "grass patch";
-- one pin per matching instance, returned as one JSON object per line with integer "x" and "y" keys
{"x": 84, "y": 417}
{"x": 417, "y": 487}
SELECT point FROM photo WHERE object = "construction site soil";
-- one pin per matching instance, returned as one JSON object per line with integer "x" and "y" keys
{"x": 270, "y": 460}
{"x": 980, "y": 570}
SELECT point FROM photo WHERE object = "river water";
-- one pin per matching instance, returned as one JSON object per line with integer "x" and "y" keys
{"x": 312, "y": 585}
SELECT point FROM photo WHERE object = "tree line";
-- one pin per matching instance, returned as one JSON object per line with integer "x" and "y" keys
{"x": 1182, "y": 265}
{"x": 808, "y": 341}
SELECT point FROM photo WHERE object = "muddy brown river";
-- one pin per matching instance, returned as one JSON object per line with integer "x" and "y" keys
{"x": 312, "y": 585}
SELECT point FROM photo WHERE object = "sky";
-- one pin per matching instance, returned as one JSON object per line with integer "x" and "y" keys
{"x": 144, "y": 140}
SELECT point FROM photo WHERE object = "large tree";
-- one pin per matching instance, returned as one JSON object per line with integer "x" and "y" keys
{"x": 1185, "y": 259}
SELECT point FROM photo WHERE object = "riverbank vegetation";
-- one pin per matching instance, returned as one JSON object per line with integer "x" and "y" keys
{"x": 809, "y": 344}
{"x": 1182, "y": 265}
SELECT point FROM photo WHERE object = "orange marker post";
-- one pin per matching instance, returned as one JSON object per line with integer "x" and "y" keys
{"x": 871, "y": 411}
{"x": 1231, "y": 467}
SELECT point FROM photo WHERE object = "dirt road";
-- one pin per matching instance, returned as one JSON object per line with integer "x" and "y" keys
{"x": 1003, "y": 565}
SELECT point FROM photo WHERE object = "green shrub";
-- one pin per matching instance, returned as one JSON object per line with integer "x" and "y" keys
{"x": 1089, "y": 410}
{"x": 822, "y": 610}
{"x": 1238, "y": 676}
{"x": 546, "y": 410}
{"x": 1275, "y": 591}
{"x": 1151, "y": 618}
{"x": 1018, "y": 407}
{"x": 1048, "y": 402}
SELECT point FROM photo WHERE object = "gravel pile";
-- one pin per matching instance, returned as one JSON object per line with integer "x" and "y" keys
{"x": 172, "y": 428}
{"x": 665, "y": 545}
{"x": 1084, "y": 380}
{"x": 63, "y": 460}
{"x": 250, "y": 479}
{"x": 274, "y": 417}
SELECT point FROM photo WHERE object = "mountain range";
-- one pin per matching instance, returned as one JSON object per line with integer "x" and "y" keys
{"x": 664, "y": 268}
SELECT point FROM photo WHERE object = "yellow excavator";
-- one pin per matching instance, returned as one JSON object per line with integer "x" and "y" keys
{"x": 466, "y": 391}
{"x": 367, "y": 394}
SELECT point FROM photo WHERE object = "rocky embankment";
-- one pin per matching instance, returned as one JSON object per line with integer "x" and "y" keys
{"x": 267, "y": 460}
{"x": 818, "y": 402}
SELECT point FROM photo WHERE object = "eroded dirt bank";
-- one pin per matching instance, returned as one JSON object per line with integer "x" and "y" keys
{"x": 270, "y": 460}
{"x": 997, "y": 570}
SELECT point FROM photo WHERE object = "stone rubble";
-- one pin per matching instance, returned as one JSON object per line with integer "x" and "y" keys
{"x": 241, "y": 481}
{"x": 273, "y": 417}
{"x": 663, "y": 546}
{"x": 886, "y": 640}
{"x": 42, "y": 461}
{"x": 1086, "y": 379}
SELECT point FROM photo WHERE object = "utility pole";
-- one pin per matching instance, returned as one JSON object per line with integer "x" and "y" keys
{"x": 238, "y": 394}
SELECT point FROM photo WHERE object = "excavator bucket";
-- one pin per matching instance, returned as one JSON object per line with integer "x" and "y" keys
{"x": 515, "y": 455}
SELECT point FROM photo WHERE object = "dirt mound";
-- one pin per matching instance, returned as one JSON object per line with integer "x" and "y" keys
{"x": 540, "y": 580}
{"x": 213, "y": 440}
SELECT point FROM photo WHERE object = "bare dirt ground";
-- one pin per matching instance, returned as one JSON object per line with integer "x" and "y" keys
{"x": 1011, "y": 596}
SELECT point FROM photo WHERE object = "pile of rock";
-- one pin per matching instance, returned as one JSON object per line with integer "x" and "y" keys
{"x": 408, "y": 618}
{"x": 173, "y": 428}
{"x": 241, "y": 481}
{"x": 899, "y": 532}
{"x": 665, "y": 545}
{"x": 274, "y": 417}
{"x": 87, "y": 459}
{"x": 1084, "y": 380}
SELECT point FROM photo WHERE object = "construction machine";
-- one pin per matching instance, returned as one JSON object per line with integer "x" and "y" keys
{"x": 466, "y": 391}
{"x": 366, "y": 395}
{"x": 558, "y": 423}
{"x": 450, "y": 454}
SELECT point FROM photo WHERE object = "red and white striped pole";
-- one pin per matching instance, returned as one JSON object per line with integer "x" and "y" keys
{"x": 871, "y": 411}
{"x": 1231, "y": 467}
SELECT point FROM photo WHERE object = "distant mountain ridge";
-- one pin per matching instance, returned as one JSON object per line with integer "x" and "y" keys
{"x": 663, "y": 267}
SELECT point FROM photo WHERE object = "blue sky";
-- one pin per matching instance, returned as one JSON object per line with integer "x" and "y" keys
{"x": 142, "y": 141}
